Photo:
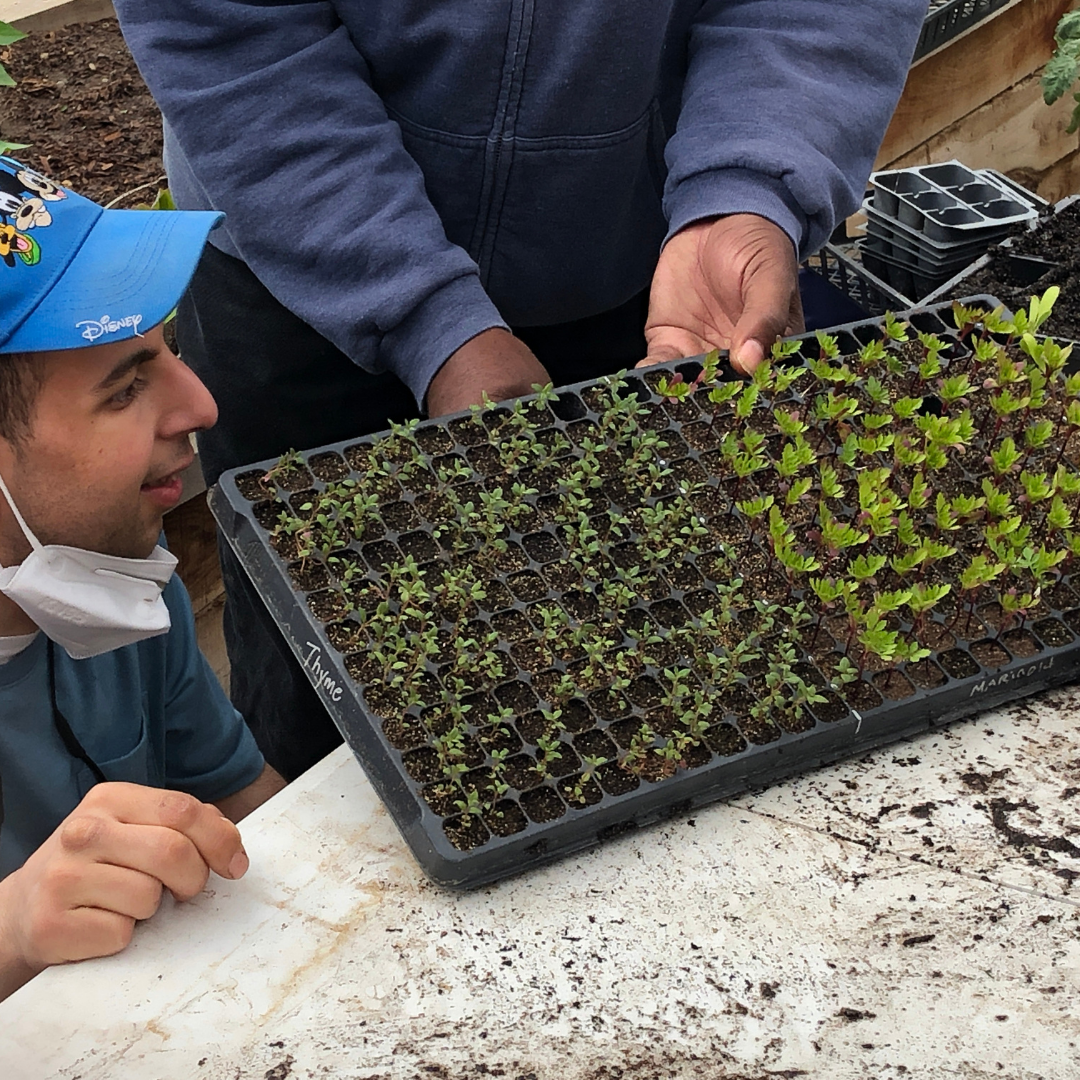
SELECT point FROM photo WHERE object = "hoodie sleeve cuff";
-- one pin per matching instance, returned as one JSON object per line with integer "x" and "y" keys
{"x": 452, "y": 315}
{"x": 720, "y": 192}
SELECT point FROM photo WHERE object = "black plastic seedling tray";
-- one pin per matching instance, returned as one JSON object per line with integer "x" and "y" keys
{"x": 733, "y": 757}
{"x": 915, "y": 253}
{"x": 947, "y": 19}
{"x": 948, "y": 202}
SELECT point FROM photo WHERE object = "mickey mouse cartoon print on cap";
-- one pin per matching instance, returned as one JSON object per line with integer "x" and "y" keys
{"x": 74, "y": 274}
{"x": 23, "y": 195}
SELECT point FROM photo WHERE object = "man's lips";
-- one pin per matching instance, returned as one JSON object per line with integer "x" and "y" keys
{"x": 172, "y": 474}
{"x": 167, "y": 489}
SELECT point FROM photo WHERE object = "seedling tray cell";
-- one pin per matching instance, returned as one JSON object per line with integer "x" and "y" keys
{"x": 545, "y": 623}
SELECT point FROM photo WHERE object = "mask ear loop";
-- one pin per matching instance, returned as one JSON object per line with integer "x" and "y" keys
{"x": 71, "y": 742}
{"x": 31, "y": 538}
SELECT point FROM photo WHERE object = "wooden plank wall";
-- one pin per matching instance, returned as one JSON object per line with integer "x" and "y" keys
{"x": 978, "y": 99}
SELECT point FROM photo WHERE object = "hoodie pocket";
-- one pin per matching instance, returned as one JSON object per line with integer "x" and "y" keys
{"x": 581, "y": 224}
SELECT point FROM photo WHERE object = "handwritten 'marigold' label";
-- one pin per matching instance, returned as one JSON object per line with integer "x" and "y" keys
{"x": 1011, "y": 676}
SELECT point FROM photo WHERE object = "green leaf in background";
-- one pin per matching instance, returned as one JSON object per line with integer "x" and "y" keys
{"x": 8, "y": 36}
{"x": 164, "y": 201}
{"x": 8, "y": 147}
{"x": 1068, "y": 29}
{"x": 1058, "y": 76}
{"x": 1074, "y": 123}
{"x": 1064, "y": 66}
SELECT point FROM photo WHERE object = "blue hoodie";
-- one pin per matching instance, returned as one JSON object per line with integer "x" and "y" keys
{"x": 403, "y": 174}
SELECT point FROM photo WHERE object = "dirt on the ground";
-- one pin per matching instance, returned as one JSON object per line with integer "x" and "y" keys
{"x": 81, "y": 104}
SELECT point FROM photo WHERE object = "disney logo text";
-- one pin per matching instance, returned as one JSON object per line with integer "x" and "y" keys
{"x": 93, "y": 329}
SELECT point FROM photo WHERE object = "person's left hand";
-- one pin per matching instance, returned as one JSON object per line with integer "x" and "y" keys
{"x": 728, "y": 283}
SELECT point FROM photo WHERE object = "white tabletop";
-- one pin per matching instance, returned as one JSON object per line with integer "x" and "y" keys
{"x": 912, "y": 914}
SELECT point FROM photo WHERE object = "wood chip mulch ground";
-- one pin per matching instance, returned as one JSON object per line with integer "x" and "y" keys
{"x": 81, "y": 104}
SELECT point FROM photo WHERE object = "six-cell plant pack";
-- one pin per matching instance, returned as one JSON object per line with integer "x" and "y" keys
{"x": 542, "y": 623}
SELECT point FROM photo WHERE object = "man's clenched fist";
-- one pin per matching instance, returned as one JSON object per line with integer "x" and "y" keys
{"x": 81, "y": 893}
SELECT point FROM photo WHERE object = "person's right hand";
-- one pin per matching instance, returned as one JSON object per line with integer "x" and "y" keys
{"x": 80, "y": 894}
{"x": 494, "y": 363}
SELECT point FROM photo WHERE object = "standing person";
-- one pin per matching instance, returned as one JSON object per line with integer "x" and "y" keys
{"x": 406, "y": 182}
{"x": 122, "y": 764}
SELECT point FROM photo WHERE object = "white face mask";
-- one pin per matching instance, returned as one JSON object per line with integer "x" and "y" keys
{"x": 88, "y": 603}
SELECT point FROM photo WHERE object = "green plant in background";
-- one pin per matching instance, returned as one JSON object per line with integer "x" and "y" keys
{"x": 8, "y": 36}
{"x": 1064, "y": 67}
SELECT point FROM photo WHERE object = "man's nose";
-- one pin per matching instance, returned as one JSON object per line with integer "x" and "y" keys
{"x": 191, "y": 405}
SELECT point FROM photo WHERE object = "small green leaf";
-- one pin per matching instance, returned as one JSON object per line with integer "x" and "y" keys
{"x": 1068, "y": 29}
{"x": 9, "y": 35}
{"x": 1074, "y": 122}
{"x": 164, "y": 201}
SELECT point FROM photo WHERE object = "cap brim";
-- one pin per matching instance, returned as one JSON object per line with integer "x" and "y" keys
{"x": 127, "y": 276}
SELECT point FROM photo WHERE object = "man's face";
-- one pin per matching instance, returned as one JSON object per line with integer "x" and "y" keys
{"x": 108, "y": 440}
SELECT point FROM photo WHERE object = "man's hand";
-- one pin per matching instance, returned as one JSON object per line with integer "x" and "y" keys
{"x": 729, "y": 283}
{"x": 80, "y": 894}
{"x": 494, "y": 362}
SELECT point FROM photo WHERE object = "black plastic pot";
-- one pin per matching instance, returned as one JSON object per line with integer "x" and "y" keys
{"x": 966, "y": 687}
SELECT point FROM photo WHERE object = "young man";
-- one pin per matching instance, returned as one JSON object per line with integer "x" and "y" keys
{"x": 122, "y": 765}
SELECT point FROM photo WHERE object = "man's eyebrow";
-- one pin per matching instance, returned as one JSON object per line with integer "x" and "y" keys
{"x": 125, "y": 366}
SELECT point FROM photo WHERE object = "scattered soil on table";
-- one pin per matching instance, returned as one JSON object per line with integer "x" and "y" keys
{"x": 1057, "y": 240}
{"x": 81, "y": 104}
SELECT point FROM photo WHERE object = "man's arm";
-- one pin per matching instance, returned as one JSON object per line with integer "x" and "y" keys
{"x": 785, "y": 105}
{"x": 236, "y": 807}
{"x": 273, "y": 107}
{"x": 784, "y": 108}
{"x": 81, "y": 893}
{"x": 209, "y": 750}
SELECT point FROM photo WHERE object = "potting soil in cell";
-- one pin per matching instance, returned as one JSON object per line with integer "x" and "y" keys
{"x": 542, "y": 623}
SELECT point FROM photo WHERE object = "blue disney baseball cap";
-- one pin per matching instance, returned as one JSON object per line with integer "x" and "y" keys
{"x": 74, "y": 274}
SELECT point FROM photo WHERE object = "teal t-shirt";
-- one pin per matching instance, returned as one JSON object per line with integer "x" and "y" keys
{"x": 151, "y": 713}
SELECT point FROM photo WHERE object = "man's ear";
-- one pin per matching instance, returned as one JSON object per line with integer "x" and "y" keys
{"x": 22, "y": 375}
